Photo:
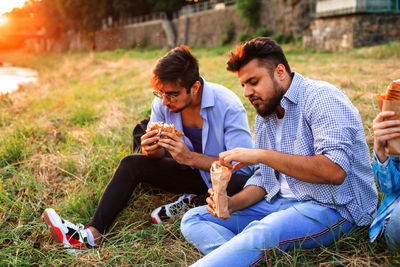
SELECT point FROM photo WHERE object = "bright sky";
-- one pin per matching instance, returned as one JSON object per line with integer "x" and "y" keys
{"x": 8, "y": 5}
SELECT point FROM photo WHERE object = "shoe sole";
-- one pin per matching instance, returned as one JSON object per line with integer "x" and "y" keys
{"x": 55, "y": 232}
{"x": 154, "y": 216}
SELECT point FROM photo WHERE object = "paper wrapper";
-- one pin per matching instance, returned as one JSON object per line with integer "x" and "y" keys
{"x": 220, "y": 177}
{"x": 391, "y": 102}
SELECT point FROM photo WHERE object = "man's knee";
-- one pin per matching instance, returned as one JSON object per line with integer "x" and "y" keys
{"x": 132, "y": 162}
{"x": 191, "y": 217}
{"x": 129, "y": 167}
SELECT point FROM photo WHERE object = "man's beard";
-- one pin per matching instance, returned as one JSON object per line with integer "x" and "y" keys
{"x": 182, "y": 108}
{"x": 266, "y": 108}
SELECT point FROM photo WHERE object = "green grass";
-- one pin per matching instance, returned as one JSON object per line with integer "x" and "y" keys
{"x": 60, "y": 142}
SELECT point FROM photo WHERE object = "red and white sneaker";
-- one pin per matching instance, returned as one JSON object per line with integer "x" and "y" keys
{"x": 64, "y": 232}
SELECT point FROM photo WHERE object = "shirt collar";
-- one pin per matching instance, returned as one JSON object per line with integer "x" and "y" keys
{"x": 207, "y": 98}
{"x": 292, "y": 94}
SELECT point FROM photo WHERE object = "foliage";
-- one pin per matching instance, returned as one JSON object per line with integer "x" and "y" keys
{"x": 243, "y": 36}
{"x": 87, "y": 15}
{"x": 250, "y": 11}
{"x": 132, "y": 8}
{"x": 144, "y": 41}
{"x": 169, "y": 7}
{"x": 228, "y": 32}
{"x": 281, "y": 38}
{"x": 84, "y": 15}
{"x": 261, "y": 32}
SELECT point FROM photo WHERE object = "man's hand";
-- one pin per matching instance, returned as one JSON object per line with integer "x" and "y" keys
{"x": 211, "y": 204}
{"x": 384, "y": 130}
{"x": 243, "y": 156}
{"x": 177, "y": 148}
{"x": 250, "y": 195}
{"x": 150, "y": 145}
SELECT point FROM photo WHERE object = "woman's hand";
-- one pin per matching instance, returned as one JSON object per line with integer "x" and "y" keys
{"x": 384, "y": 130}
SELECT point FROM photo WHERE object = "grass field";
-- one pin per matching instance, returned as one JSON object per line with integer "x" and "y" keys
{"x": 61, "y": 140}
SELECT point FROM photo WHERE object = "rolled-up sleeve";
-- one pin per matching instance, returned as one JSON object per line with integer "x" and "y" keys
{"x": 257, "y": 178}
{"x": 334, "y": 125}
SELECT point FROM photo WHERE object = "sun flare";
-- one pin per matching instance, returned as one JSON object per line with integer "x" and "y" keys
{"x": 8, "y": 5}
{"x": 3, "y": 20}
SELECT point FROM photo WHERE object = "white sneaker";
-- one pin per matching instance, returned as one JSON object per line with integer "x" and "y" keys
{"x": 174, "y": 209}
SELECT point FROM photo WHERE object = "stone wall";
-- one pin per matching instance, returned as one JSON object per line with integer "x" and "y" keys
{"x": 350, "y": 31}
{"x": 208, "y": 27}
{"x": 289, "y": 17}
{"x": 146, "y": 33}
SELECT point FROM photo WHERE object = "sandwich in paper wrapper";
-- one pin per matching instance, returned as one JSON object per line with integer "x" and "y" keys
{"x": 164, "y": 127}
{"x": 220, "y": 176}
{"x": 391, "y": 102}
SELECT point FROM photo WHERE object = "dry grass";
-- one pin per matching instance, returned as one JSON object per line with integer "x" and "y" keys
{"x": 62, "y": 139}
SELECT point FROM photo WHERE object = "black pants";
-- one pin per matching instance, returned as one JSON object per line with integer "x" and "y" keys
{"x": 163, "y": 173}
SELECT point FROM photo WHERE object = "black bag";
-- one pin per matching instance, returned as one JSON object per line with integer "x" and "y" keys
{"x": 138, "y": 131}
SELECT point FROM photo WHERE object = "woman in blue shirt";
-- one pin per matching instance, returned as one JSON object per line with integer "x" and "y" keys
{"x": 387, "y": 175}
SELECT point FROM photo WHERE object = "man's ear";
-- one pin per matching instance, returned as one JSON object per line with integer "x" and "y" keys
{"x": 195, "y": 87}
{"x": 280, "y": 72}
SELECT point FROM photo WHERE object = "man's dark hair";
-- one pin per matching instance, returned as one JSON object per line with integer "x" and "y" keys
{"x": 177, "y": 67}
{"x": 266, "y": 50}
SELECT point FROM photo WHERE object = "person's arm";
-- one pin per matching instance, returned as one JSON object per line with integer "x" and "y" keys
{"x": 181, "y": 153}
{"x": 334, "y": 123}
{"x": 316, "y": 169}
{"x": 236, "y": 133}
{"x": 249, "y": 196}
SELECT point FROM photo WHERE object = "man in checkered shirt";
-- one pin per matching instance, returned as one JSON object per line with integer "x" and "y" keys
{"x": 313, "y": 180}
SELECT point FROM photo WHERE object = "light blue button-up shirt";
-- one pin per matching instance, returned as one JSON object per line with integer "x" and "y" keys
{"x": 320, "y": 120}
{"x": 225, "y": 124}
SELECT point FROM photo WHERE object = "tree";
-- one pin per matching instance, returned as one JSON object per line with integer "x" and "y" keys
{"x": 250, "y": 10}
{"x": 169, "y": 7}
{"x": 84, "y": 15}
{"x": 132, "y": 8}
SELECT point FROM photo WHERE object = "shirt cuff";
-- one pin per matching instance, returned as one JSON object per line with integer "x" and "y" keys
{"x": 256, "y": 179}
{"x": 382, "y": 165}
{"x": 339, "y": 157}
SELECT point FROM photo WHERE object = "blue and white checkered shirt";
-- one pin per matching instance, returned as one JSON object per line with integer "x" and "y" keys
{"x": 320, "y": 120}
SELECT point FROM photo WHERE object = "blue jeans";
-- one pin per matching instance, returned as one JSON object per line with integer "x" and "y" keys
{"x": 392, "y": 229}
{"x": 281, "y": 225}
